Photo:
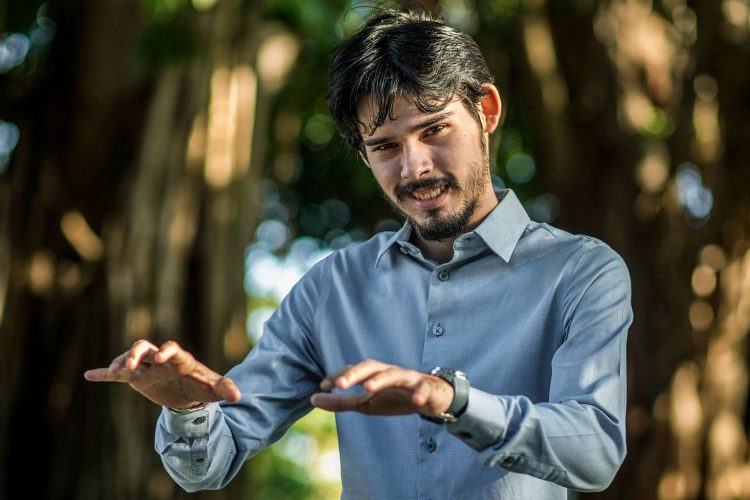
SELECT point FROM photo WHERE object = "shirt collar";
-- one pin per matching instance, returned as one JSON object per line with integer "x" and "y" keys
{"x": 500, "y": 230}
{"x": 503, "y": 227}
{"x": 400, "y": 236}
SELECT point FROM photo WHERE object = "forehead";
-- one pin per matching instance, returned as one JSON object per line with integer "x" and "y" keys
{"x": 403, "y": 113}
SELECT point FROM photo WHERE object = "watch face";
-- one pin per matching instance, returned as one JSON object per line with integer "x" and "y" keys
{"x": 447, "y": 373}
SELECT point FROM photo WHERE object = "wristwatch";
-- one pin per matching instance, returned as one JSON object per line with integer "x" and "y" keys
{"x": 460, "y": 384}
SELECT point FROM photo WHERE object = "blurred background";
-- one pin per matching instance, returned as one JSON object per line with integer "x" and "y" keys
{"x": 168, "y": 170}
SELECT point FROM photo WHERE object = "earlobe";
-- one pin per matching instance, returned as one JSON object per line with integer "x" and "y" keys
{"x": 491, "y": 108}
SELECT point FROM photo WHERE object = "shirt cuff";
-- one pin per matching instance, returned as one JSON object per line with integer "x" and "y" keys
{"x": 189, "y": 425}
{"x": 483, "y": 423}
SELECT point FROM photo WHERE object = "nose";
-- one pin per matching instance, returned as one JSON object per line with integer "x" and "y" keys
{"x": 415, "y": 161}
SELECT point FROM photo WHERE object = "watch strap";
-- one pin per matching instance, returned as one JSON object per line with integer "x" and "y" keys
{"x": 461, "y": 386}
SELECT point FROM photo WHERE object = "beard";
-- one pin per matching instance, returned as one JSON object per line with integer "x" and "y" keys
{"x": 438, "y": 223}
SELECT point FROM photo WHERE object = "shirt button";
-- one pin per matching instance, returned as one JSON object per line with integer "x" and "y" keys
{"x": 443, "y": 275}
{"x": 437, "y": 330}
{"x": 508, "y": 461}
{"x": 404, "y": 250}
{"x": 199, "y": 420}
{"x": 200, "y": 460}
{"x": 431, "y": 445}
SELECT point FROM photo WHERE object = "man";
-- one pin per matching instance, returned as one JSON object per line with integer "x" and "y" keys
{"x": 472, "y": 354}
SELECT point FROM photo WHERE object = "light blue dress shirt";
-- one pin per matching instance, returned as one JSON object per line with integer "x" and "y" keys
{"x": 536, "y": 317}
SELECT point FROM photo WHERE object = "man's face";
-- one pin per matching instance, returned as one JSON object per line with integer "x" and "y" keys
{"x": 433, "y": 167}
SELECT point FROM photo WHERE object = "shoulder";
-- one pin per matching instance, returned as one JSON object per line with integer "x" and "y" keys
{"x": 540, "y": 238}
{"x": 363, "y": 255}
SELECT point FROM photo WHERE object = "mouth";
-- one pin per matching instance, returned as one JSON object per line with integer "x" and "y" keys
{"x": 428, "y": 194}
{"x": 429, "y": 198}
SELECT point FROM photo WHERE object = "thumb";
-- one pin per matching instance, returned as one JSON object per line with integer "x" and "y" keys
{"x": 227, "y": 389}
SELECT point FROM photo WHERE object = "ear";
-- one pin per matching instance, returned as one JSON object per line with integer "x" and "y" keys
{"x": 491, "y": 108}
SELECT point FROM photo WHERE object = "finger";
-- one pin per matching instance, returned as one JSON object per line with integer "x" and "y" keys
{"x": 139, "y": 350}
{"x": 359, "y": 373}
{"x": 336, "y": 402}
{"x": 329, "y": 382}
{"x": 119, "y": 362}
{"x": 107, "y": 375}
{"x": 169, "y": 349}
{"x": 393, "y": 376}
{"x": 227, "y": 390}
{"x": 99, "y": 375}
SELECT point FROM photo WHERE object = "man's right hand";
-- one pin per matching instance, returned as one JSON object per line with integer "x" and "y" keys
{"x": 168, "y": 376}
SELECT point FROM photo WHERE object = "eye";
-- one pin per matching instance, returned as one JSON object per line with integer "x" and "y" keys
{"x": 435, "y": 129}
{"x": 383, "y": 147}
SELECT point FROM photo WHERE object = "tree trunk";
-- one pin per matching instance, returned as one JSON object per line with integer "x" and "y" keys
{"x": 625, "y": 98}
{"x": 124, "y": 214}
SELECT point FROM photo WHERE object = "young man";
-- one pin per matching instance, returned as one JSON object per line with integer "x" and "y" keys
{"x": 472, "y": 354}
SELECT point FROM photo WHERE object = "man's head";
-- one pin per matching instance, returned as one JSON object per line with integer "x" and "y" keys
{"x": 397, "y": 54}
{"x": 415, "y": 98}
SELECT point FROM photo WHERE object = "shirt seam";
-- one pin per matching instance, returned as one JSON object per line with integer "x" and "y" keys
{"x": 323, "y": 295}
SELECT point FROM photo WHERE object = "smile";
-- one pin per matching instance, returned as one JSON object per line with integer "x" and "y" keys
{"x": 428, "y": 195}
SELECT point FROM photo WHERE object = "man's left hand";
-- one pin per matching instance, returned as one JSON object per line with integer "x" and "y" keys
{"x": 391, "y": 390}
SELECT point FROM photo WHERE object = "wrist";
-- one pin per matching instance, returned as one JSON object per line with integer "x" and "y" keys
{"x": 188, "y": 409}
{"x": 460, "y": 384}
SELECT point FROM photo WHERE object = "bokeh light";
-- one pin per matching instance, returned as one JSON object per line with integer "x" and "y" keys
{"x": 13, "y": 50}
{"x": 9, "y": 136}
{"x": 696, "y": 199}
{"x": 520, "y": 168}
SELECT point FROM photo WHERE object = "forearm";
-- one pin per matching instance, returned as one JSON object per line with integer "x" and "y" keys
{"x": 579, "y": 446}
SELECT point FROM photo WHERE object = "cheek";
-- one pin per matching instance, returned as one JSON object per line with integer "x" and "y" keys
{"x": 385, "y": 179}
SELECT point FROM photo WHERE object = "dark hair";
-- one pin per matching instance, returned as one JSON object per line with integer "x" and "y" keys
{"x": 403, "y": 54}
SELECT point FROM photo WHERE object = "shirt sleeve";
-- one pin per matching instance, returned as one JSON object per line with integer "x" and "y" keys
{"x": 577, "y": 438}
{"x": 204, "y": 449}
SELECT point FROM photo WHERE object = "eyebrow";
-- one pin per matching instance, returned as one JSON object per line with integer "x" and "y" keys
{"x": 414, "y": 128}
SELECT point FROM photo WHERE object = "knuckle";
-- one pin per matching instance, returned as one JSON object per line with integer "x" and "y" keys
{"x": 141, "y": 343}
{"x": 170, "y": 344}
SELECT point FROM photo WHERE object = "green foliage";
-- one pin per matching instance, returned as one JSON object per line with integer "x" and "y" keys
{"x": 299, "y": 466}
{"x": 167, "y": 36}
{"x": 163, "y": 9}
{"x": 318, "y": 20}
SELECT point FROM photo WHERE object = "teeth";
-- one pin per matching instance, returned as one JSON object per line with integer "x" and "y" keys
{"x": 429, "y": 196}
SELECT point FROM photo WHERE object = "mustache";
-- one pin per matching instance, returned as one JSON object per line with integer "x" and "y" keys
{"x": 407, "y": 188}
